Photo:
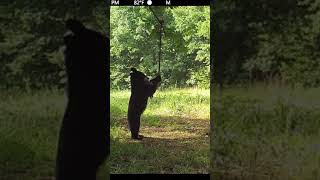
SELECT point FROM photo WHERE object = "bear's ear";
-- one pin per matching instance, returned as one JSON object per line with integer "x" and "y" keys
{"x": 133, "y": 69}
{"x": 75, "y": 26}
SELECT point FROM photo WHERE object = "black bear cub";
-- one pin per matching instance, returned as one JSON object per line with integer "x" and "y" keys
{"x": 84, "y": 135}
{"x": 141, "y": 89}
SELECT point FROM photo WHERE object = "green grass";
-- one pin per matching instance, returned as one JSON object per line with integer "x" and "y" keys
{"x": 266, "y": 133}
{"x": 175, "y": 125}
{"x": 29, "y": 125}
{"x": 260, "y": 133}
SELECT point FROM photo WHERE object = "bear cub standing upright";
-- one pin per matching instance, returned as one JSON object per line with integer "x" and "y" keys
{"x": 141, "y": 89}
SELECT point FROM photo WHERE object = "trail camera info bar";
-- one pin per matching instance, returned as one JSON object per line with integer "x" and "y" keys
{"x": 159, "y": 2}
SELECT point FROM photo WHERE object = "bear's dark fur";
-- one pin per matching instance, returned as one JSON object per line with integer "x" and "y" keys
{"x": 141, "y": 89}
{"x": 84, "y": 140}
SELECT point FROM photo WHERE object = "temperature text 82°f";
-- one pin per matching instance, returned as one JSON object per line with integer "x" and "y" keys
{"x": 138, "y": 2}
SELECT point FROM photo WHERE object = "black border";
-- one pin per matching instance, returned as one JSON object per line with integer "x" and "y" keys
{"x": 160, "y": 176}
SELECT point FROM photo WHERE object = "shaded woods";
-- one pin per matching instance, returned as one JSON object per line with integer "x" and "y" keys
{"x": 268, "y": 41}
{"x": 31, "y": 40}
{"x": 265, "y": 117}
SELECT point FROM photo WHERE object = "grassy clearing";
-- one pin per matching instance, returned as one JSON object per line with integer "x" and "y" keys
{"x": 266, "y": 133}
{"x": 29, "y": 125}
{"x": 175, "y": 125}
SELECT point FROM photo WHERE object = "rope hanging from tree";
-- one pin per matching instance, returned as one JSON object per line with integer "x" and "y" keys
{"x": 160, "y": 22}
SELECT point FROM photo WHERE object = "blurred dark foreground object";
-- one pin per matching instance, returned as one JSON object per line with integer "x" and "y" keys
{"x": 84, "y": 141}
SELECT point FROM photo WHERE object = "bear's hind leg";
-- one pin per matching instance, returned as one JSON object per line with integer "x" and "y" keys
{"x": 134, "y": 125}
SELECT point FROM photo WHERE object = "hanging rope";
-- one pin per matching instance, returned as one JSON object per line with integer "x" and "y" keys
{"x": 160, "y": 22}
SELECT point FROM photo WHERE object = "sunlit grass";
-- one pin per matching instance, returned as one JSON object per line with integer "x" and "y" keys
{"x": 176, "y": 127}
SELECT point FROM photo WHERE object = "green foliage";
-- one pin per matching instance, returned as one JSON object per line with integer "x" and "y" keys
{"x": 267, "y": 40}
{"x": 185, "y": 45}
{"x": 31, "y": 39}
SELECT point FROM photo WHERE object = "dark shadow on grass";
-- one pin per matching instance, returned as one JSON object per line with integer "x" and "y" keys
{"x": 173, "y": 145}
